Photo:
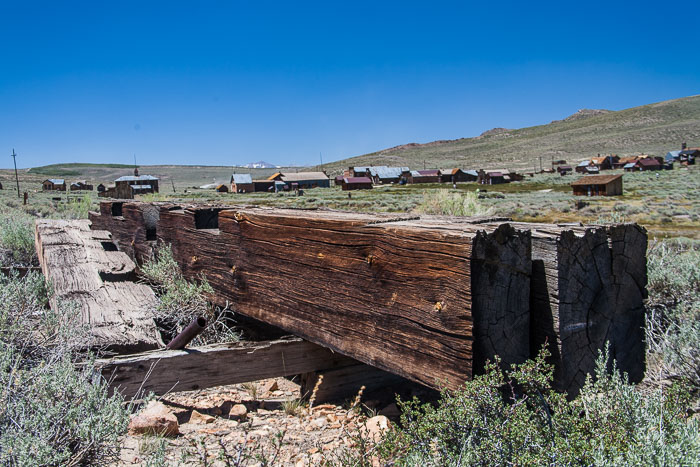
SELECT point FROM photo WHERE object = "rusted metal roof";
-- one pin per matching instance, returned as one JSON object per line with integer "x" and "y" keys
{"x": 596, "y": 180}
{"x": 649, "y": 162}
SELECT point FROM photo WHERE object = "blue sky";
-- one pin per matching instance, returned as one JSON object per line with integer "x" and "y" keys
{"x": 225, "y": 83}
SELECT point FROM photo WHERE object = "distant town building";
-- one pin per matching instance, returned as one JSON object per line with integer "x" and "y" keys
{"x": 357, "y": 183}
{"x": 222, "y": 188}
{"x": 54, "y": 184}
{"x": 81, "y": 185}
{"x": 127, "y": 186}
{"x": 242, "y": 183}
{"x": 422, "y": 176}
{"x": 598, "y": 185}
{"x": 293, "y": 181}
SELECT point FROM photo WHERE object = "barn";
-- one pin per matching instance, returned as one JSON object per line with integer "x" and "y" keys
{"x": 598, "y": 185}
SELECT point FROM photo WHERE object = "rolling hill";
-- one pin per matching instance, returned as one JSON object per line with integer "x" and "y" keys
{"x": 652, "y": 129}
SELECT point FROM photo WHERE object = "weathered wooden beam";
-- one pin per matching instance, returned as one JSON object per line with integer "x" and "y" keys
{"x": 588, "y": 287}
{"x": 427, "y": 298}
{"x": 161, "y": 371}
{"x": 85, "y": 267}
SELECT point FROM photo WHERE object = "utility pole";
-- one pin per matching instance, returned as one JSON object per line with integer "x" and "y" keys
{"x": 14, "y": 158}
{"x": 540, "y": 163}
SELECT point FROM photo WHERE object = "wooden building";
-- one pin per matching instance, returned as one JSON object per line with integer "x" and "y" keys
{"x": 357, "y": 183}
{"x": 101, "y": 188}
{"x": 598, "y": 185}
{"x": 293, "y": 181}
{"x": 140, "y": 180}
{"x": 564, "y": 169}
{"x": 422, "y": 176}
{"x": 458, "y": 175}
{"x": 223, "y": 188}
{"x": 494, "y": 177}
{"x": 605, "y": 162}
{"x": 80, "y": 185}
{"x": 54, "y": 184}
{"x": 688, "y": 155}
{"x": 242, "y": 183}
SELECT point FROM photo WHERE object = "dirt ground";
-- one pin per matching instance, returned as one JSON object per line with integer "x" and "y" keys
{"x": 277, "y": 429}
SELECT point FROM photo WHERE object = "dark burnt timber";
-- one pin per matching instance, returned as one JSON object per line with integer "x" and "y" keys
{"x": 85, "y": 267}
{"x": 428, "y": 298}
{"x": 162, "y": 371}
{"x": 588, "y": 287}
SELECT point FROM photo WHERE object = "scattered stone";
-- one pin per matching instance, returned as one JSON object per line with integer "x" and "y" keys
{"x": 155, "y": 419}
{"x": 238, "y": 412}
{"x": 200, "y": 418}
{"x": 269, "y": 386}
{"x": 376, "y": 426}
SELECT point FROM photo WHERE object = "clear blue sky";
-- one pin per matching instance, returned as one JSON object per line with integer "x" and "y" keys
{"x": 224, "y": 83}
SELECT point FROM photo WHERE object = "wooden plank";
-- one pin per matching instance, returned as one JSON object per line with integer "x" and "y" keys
{"x": 161, "y": 371}
{"x": 84, "y": 267}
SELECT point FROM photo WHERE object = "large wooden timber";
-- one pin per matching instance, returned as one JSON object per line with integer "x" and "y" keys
{"x": 85, "y": 267}
{"x": 588, "y": 287}
{"x": 394, "y": 296}
{"x": 162, "y": 371}
{"x": 427, "y": 298}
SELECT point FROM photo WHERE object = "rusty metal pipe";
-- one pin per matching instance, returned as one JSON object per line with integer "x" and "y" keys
{"x": 190, "y": 332}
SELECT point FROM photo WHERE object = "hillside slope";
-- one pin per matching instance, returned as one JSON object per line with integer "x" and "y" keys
{"x": 654, "y": 129}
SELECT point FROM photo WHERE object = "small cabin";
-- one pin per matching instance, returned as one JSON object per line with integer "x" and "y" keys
{"x": 223, "y": 188}
{"x": 564, "y": 169}
{"x": 54, "y": 184}
{"x": 357, "y": 183}
{"x": 598, "y": 185}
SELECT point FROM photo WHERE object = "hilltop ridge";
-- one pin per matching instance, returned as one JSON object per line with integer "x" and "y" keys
{"x": 653, "y": 129}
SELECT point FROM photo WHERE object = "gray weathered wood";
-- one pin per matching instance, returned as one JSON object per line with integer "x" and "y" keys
{"x": 161, "y": 371}
{"x": 84, "y": 267}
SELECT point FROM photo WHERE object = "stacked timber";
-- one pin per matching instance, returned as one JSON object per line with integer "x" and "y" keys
{"x": 427, "y": 298}
{"x": 85, "y": 267}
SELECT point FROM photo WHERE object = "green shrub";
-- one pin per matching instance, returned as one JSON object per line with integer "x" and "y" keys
{"x": 451, "y": 203}
{"x": 50, "y": 412}
{"x": 180, "y": 302}
{"x": 17, "y": 236}
{"x": 515, "y": 418}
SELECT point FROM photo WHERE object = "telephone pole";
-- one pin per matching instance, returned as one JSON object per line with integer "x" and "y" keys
{"x": 14, "y": 158}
